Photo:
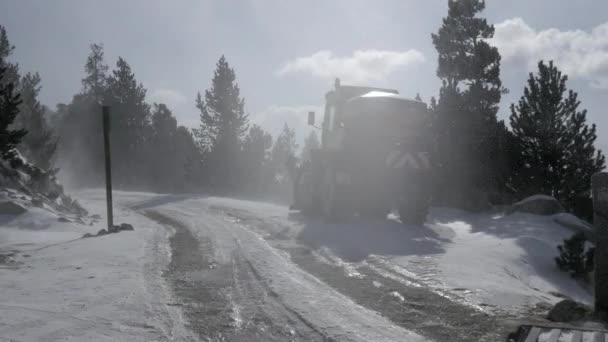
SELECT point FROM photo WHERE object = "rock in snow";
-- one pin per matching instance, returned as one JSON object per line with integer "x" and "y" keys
{"x": 112, "y": 230}
{"x": 539, "y": 205}
{"x": 567, "y": 311}
{"x": 11, "y": 208}
{"x": 126, "y": 226}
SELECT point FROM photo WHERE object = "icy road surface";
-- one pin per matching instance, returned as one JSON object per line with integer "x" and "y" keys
{"x": 230, "y": 270}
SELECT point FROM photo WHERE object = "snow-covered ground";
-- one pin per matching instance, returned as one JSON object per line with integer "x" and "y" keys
{"x": 62, "y": 287}
{"x": 332, "y": 314}
{"x": 506, "y": 262}
{"x": 492, "y": 261}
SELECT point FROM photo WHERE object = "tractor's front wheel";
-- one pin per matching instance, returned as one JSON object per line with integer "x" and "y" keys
{"x": 335, "y": 203}
{"x": 305, "y": 196}
{"x": 414, "y": 209}
{"x": 375, "y": 210}
{"x": 413, "y": 214}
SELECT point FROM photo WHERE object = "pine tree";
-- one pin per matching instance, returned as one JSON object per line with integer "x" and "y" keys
{"x": 80, "y": 130}
{"x": 223, "y": 124}
{"x": 9, "y": 108}
{"x": 574, "y": 257}
{"x": 189, "y": 169}
{"x": 162, "y": 151}
{"x": 9, "y": 101}
{"x": 129, "y": 97}
{"x": 553, "y": 146}
{"x": 255, "y": 159}
{"x": 130, "y": 123}
{"x": 310, "y": 143}
{"x": 284, "y": 154}
{"x": 469, "y": 137}
{"x": 11, "y": 72}
{"x": 95, "y": 81}
{"x": 40, "y": 144}
{"x": 6, "y": 48}
{"x": 164, "y": 124}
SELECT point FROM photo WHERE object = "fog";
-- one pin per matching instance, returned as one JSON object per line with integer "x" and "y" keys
{"x": 413, "y": 169}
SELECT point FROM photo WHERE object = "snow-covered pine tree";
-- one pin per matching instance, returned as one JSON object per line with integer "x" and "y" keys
{"x": 9, "y": 108}
{"x": 9, "y": 100}
{"x": 574, "y": 257}
{"x": 40, "y": 144}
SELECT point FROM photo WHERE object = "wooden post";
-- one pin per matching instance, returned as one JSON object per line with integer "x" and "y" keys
{"x": 599, "y": 188}
{"x": 106, "y": 146}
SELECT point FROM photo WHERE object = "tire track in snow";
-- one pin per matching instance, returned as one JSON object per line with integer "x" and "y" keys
{"x": 330, "y": 311}
{"x": 270, "y": 292}
{"x": 228, "y": 302}
{"x": 211, "y": 319}
{"x": 407, "y": 301}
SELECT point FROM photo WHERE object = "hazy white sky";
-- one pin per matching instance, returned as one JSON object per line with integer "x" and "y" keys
{"x": 287, "y": 53}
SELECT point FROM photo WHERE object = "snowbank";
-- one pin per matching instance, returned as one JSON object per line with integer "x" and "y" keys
{"x": 539, "y": 205}
{"x": 492, "y": 262}
{"x": 537, "y": 198}
{"x": 575, "y": 224}
{"x": 505, "y": 262}
{"x": 62, "y": 287}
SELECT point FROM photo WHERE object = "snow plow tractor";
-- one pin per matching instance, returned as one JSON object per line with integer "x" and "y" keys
{"x": 373, "y": 158}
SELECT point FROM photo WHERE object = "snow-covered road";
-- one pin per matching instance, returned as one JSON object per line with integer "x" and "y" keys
{"x": 270, "y": 274}
{"x": 253, "y": 289}
{"x": 211, "y": 268}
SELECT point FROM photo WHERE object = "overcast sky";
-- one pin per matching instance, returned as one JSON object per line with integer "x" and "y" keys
{"x": 287, "y": 53}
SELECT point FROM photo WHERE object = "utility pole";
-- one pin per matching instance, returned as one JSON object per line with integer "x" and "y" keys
{"x": 599, "y": 188}
{"x": 106, "y": 146}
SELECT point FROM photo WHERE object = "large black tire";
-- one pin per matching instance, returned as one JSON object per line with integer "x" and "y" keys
{"x": 305, "y": 192}
{"x": 413, "y": 211}
{"x": 374, "y": 211}
{"x": 335, "y": 204}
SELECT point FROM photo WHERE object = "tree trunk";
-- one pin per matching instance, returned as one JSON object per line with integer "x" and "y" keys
{"x": 599, "y": 185}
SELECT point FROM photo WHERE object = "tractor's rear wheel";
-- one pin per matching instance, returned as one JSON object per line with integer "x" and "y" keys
{"x": 328, "y": 199}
